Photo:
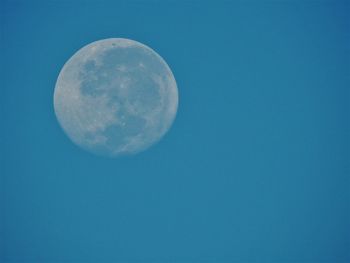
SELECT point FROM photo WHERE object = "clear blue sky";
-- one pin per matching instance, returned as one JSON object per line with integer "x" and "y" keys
{"x": 256, "y": 167}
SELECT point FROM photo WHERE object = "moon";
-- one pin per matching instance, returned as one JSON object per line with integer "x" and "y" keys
{"x": 115, "y": 97}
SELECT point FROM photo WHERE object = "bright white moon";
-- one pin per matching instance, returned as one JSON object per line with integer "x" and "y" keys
{"x": 115, "y": 97}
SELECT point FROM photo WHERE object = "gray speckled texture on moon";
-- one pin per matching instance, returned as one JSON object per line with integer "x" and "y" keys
{"x": 115, "y": 96}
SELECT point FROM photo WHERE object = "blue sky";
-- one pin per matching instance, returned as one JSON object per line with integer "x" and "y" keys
{"x": 254, "y": 169}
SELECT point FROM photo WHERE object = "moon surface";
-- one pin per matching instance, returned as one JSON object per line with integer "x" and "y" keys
{"x": 115, "y": 97}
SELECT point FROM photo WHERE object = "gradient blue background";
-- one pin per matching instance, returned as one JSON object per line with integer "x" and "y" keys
{"x": 255, "y": 168}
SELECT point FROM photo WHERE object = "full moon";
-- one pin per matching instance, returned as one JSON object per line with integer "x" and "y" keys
{"x": 115, "y": 97}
